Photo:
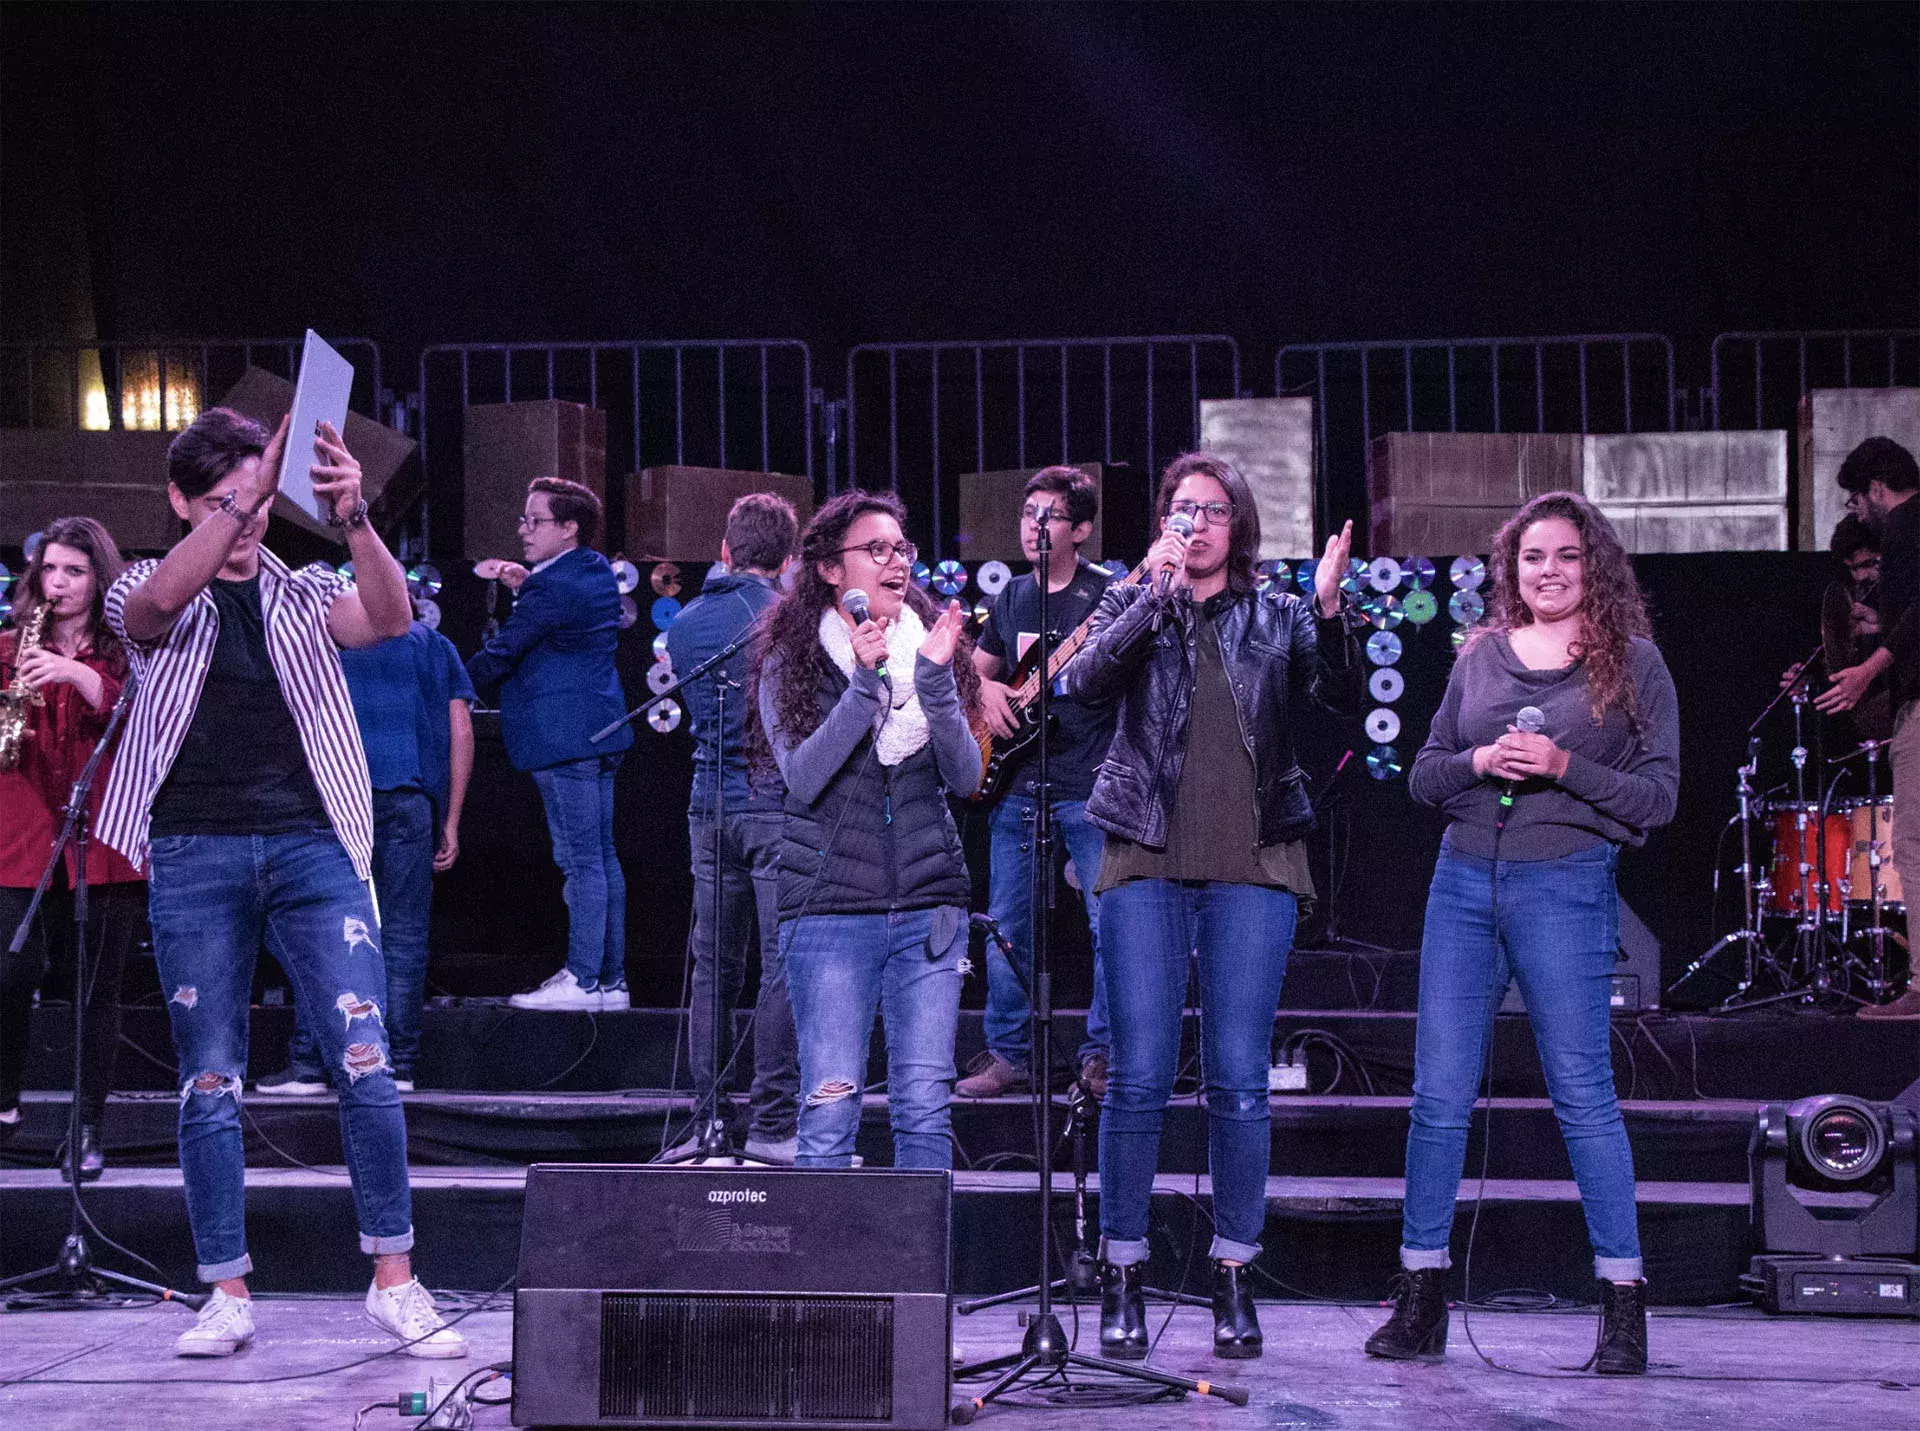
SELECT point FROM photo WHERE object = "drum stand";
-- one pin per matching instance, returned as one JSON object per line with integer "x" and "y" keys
{"x": 1816, "y": 957}
{"x": 1874, "y": 970}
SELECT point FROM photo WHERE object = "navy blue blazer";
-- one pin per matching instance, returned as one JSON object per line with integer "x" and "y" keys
{"x": 552, "y": 664}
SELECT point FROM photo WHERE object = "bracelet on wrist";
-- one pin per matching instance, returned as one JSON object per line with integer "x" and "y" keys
{"x": 353, "y": 521}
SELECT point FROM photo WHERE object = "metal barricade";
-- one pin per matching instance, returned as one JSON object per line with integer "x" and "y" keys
{"x": 158, "y": 384}
{"x": 1759, "y": 378}
{"x": 1579, "y": 382}
{"x": 917, "y": 412}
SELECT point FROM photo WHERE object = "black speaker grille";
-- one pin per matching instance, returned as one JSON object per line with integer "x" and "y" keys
{"x": 745, "y": 1358}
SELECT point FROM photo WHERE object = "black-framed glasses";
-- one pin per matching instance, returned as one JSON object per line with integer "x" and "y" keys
{"x": 1218, "y": 514}
{"x": 529, "y": 522}
{"x": 878, "y": 552}
{"x": 1038, "y": 514}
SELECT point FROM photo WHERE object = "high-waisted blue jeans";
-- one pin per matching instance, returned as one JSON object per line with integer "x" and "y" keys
{"x": 578, "y": 795}
{"x": 1555, "y": 926}
{"x": 840, "y": 969}
{"x": 211, "y": 900}
{"x": 1242, "y": 934}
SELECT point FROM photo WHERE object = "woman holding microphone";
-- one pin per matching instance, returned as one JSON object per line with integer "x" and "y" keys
{"x": 1557, "y": 743}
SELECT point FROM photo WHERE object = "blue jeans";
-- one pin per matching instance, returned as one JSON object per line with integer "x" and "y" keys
{"x": 212, "y": 898}
{"x": 1009, "y": 1017}
{"x": 1557, "y": 931}
{"x": 1242, "y": 934}
{"x": 578, "y": 795}
{"x": 749, "y": 879}
{"x": 840, "y": 968}
{"x": 404, "y": 839}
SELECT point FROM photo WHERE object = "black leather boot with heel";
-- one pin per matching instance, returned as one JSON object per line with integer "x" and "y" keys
{"x": 1123, "y": 1311}
{"x": 1418, "y": 1328}
{"x": 1236, "y": 1326}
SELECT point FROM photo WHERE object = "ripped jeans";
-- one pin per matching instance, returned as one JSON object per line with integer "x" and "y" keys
{"x": 211, "y": 900}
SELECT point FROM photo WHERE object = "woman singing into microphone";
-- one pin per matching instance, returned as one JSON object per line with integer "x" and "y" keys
{"x": 865, "y": 710}
{"x": 73, "y": 676}
{"x": 1524, "y": 889}
{"x": 1206, "y": 814}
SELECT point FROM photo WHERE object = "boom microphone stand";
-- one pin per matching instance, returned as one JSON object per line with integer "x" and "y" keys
{"x": 1044, "y": 1353}
{"x": 81, "y": 1279}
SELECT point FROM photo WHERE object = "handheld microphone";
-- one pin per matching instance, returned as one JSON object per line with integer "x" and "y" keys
{"x": 1183, "y": 524}
{"x": 1532, "y": 720}
{"x": 857, "y": 604}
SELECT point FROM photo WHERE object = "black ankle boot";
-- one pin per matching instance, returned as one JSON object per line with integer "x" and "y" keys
{"x": 1418, "y": 1330}
{"x": 1236, "y": 1326}
{"x": 1622, "y": 1347}
{"x": 1123, "y": 1312}
{"x": 93, "y": 1161}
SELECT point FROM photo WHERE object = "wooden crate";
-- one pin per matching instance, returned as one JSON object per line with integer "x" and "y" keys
{"x": 990, "y": 505}
{"x": 1449, "y": 491}
{"x": 506, "y": 446}
{"x": 1270, "y": 443}
{"x": 1834, "y": 421}
{"x": 680, "y": 513}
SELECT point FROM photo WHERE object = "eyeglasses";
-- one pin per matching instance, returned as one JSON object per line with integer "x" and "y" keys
{"x": 1037, "y": 515}
{"x": 1218, "y": 514}
{"x": 529, "y": 522}
{"x": 878, "y": 552}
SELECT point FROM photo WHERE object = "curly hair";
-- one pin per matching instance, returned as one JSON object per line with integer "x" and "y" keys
{"x": 790, "y": 630}
{"x": 1612, "y": 610}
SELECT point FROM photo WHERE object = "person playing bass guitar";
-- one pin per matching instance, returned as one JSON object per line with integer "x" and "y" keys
{"x": 1066, "y": 498}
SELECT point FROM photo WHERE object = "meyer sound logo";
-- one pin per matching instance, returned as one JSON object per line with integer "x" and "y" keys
{"x": 714, "y": 1229}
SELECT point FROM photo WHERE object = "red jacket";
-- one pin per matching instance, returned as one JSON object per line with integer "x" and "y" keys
{"x": 32, "y": 794}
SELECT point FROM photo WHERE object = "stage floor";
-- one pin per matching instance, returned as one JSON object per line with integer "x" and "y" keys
{"x": 1808, "y": 1373}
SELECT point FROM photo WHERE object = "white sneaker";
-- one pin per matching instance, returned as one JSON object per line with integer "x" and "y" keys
{"x": 407, "y": 1312}
{"x": 614, "y": 996}
{"x": 403, "y": 1085}
{"x": 225, "y": 1325}
{"x": 562, "y": 991}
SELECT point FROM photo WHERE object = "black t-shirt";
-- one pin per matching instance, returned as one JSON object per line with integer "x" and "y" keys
{"x": 1896, "y": 599}
{"x": 1082, "y": 732}
{"x": 241, "y": 769}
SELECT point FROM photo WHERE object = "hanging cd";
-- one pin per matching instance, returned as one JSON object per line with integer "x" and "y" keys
{"x": 1386, "y": 684}
{"x": 1467, "y": 573}
{"x": 1419, "y": 572}
{"x": 660, "y": 647}
{"x": 666, "y": 579}
{"x": 1266, "y": 573}
{"x": 1385, "y": 612}
{"x": 6, "y": 606}
{"x": 1116, "y": 568}
{"x": 921, "y": 575}
{"x": 5, "y": 576}
{"x": 1383, "y": 648}
{"x": 1355, "y": 578}
{"x": 629, "y": 611}
{"x": 1383, "y": 763}
{"x": 982, "y": 612}
{"x": 1382, "y": 725}
{"x": 345, "y": 569}
{"x": 32, "y": 544}
{"x": 1466, "y": 607}
{"x": 1420, "y": 605}
{"x": 949, "y": 578}
{"x": 1303, "y": 573}
{"x": 993, "y": 577}
{"x": 659, "y": 676}
{"x": 423, "y": 581}
{"x": 1460, "y": 634}
{"x": 665, "y": 717}
{"x": 626, "y": 575}
{"x": 1384, "y": 574}
{"x": 429, "y": 612}
{"x": 663, "y": 610}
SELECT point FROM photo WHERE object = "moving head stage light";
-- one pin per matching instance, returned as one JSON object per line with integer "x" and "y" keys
{"x": 1834, "y": 1207}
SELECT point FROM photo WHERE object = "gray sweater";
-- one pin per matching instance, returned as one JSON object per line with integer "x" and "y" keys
{"x": 809, "y": 765}
{"x": 1620, "y": 783}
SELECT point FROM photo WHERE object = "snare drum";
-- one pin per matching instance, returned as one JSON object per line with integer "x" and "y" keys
{"x": 1796, "y": 858}
{"x": 1871, "y": 832}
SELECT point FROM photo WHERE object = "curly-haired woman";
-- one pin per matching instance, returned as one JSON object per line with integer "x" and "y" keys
{"x": 868, "y": 722}
{"x": 1524, "y": 889}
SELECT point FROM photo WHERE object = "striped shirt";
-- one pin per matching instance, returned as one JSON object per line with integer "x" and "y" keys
{"x": 173, "y": 669}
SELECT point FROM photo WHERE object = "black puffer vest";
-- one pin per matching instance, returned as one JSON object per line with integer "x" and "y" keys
{"x": 879, "y": 838}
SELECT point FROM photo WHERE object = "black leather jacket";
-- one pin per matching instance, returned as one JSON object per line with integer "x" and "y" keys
{"x": 1141, "y": 650}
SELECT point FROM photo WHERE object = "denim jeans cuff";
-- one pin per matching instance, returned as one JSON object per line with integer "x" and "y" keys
{"x": 386, "y": 1246}
{"x": 211, "y": 1272}
{"x": 1123, "y": 1251}
{"x": 1618, "y": 1269}
{"x": 1225, "y": 1249}
{"x": 1418, "y": 1259}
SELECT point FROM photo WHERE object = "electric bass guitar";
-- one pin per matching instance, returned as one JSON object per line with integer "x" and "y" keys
{"x": 999, "y": 753}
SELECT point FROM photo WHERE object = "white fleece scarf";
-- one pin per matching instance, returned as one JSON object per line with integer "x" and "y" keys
{"x": 901, "y": 728}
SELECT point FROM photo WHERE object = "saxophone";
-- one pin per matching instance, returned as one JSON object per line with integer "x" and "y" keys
{"x": 17, "y": 696}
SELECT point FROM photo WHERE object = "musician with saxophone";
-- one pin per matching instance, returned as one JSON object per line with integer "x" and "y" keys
{"x": 61, "y": 670}
{"x": 1064, "y": 498}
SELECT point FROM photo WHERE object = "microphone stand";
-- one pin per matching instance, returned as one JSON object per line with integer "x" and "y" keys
{"x": 81, "y": 1279}
{"x": 1044, "y": 1353}
{"x": 711, "y": 1140}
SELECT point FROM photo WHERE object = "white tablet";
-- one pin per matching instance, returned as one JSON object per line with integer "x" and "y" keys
{"x": 320, "y": 395}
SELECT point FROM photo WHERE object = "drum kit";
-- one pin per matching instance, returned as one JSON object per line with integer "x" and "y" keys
{"x": 1824, "y": 909}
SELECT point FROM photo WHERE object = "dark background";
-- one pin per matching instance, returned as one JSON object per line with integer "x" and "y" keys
{"x": 848, "y": 173}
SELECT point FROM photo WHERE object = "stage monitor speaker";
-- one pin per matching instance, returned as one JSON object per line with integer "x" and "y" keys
{"x": 680, "y": 513}
{"x": 506, "y": 446}
{"x": 695, "y": 1296}
{"x": 1636, "y": 977}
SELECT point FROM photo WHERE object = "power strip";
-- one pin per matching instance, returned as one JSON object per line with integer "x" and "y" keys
{"x": 1288, "y": 1076}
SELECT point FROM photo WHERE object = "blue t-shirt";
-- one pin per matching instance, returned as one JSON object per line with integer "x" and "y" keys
{"x": 401, "y": 689}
